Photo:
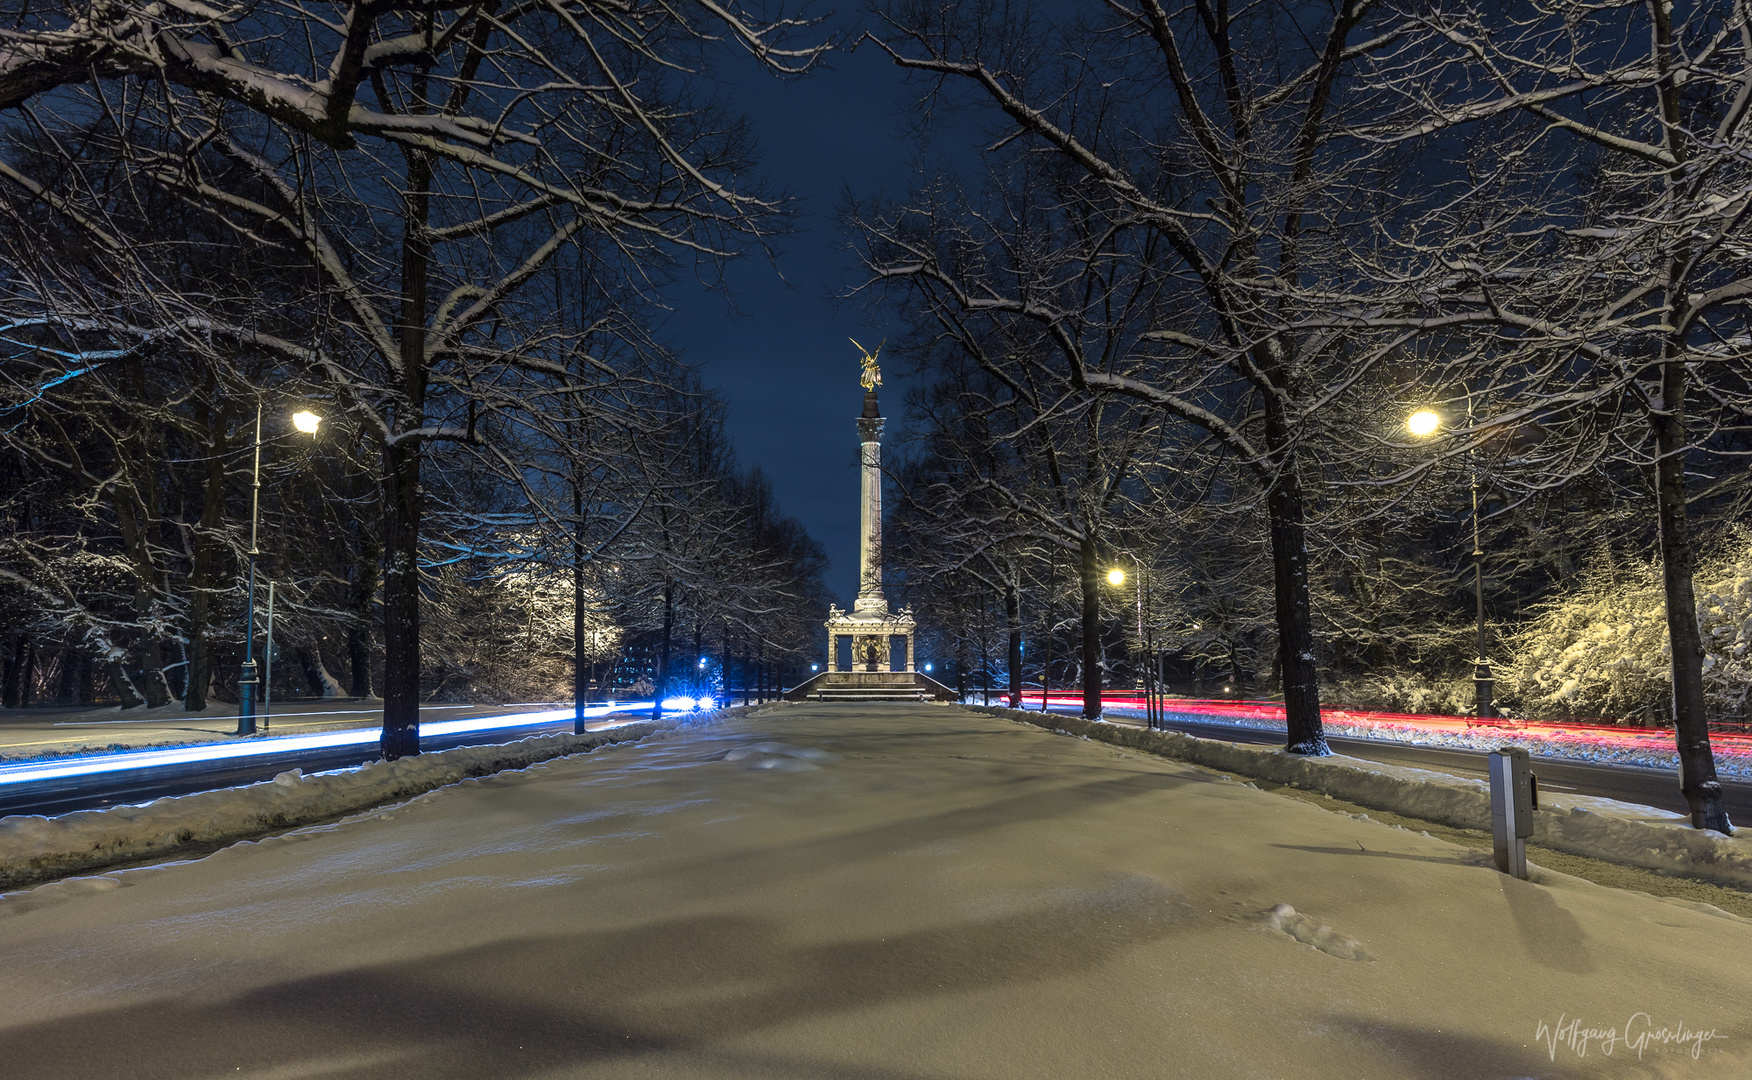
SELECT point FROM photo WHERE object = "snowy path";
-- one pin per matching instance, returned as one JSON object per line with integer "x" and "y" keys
{"x": 879, "y": 892}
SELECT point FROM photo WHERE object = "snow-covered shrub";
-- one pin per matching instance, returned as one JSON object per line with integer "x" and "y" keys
{"x": 505, "y": 634}
{"x": 1601, "y": 649}
{"x": 1408, "y": 692}
{"x": 1598, "y": 650}
{"x": 1724, "y": 614}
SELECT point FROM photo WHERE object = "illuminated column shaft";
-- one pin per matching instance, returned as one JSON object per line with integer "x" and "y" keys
{"x": 870, "y": 598}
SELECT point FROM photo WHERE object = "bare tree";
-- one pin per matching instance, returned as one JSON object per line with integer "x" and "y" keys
{"x": 1007, "y": 470}
{"x": 495, "y": 137}
{"x": 1598, "y": 239}
{"x": 1198, "y": 157}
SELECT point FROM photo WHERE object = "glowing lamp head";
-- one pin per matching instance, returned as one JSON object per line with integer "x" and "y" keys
{"x": 1423, "y": 422}
{"x": 927, "y": 667}
{"x": 306, "y": 421}
{"x": 1116, "y": 576}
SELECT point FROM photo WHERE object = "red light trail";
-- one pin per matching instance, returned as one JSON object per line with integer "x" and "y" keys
{"x": 1561, "y": 739}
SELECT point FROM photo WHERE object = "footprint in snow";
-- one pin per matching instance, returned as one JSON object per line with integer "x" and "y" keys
{"x": 780, "y": 756}
{"x": 56, "y": 892}
{"x": 1312, "y": 933}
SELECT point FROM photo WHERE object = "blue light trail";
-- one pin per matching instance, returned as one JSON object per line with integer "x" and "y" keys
{"x": 98, "y": 764}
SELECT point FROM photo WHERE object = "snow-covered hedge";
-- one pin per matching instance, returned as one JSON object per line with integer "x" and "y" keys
{"x": 1579, "y": 824}
{"x": 34, "y": 848}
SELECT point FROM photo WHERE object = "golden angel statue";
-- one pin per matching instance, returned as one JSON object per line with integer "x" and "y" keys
{"x": 872, "y": 377}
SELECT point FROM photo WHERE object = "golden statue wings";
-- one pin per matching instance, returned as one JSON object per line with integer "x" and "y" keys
{"x": 872, "y": 376}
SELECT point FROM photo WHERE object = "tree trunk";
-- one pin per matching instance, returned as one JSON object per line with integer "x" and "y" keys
{"x": 663, "y": 650}
{"x": 206, "y": 557}
{"x": 1013, "y": 615}
{"x": 1090, "y": 579}
{"x": 14, "y": 670}
{"x": 1697, "y": 773}
{"x": 1289, "y": 560}
{"x": 27, "y": 686}
{"x": 960, "y": 667}
{"x": 401, "y": 600}
{"x": 125, "y": 689}
{"x": 83, "y": 688}
{"x": 580, "y": 685}
{"x": 1046, "y": 632}
{"x": 360, "y": 595}
{"x": 64, "y": 681}
{"x": 401, "y": 475}
{"x": 138, "y": 513}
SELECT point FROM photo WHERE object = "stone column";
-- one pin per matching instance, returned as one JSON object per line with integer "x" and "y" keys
{"x": 870, "y": 598}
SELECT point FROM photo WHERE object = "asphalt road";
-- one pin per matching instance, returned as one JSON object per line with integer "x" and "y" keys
{"x": 1648, "y": 787}
{"x": 65, "y": 795}
{"x": 1645, "y": 787}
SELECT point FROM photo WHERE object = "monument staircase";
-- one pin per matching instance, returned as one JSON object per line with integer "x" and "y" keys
{"x": 871, "y": 686}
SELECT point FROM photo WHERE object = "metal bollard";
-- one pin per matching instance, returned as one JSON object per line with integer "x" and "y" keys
{"x": 1514, "y": 795}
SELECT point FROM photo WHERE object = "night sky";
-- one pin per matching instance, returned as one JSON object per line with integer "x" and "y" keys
{"x": 782, "y": 359}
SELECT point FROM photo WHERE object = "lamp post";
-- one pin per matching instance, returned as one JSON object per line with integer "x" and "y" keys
{"x": 1424, "y": 423}
{"x": 247, "y": 681}
{"x": 1116, "y": 578}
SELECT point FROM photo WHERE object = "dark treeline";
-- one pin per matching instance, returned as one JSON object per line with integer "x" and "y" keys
{"x": 1214, "y": 259}
{"x": 440, "y": 230}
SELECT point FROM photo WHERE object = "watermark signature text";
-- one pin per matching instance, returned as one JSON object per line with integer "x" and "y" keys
{"x": 1639, "y": 1033}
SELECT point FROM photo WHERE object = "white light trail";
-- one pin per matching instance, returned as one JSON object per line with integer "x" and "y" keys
{"x": 286, "y": 717}
{"x": 127, "y": 760}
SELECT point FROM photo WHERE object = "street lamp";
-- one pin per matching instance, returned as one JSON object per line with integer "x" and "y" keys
{"x": 1116, "y": 578}
{"x": 247, "y": 681}
{"x": 1423, "y": 423}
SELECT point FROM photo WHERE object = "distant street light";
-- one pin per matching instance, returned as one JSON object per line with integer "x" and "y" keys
{"x": 1116, "y": 577}
{"x": 248, "y": 679}
{"x": 1422, "y": 423}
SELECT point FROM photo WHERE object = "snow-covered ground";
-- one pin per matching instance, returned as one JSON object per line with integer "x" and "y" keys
{"x": 874, "y": 892}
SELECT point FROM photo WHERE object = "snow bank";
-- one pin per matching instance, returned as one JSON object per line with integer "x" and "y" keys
{"x": 33, "y": 848}
{"x": 1599, "y": 828}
